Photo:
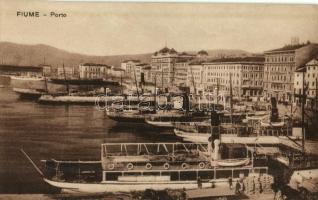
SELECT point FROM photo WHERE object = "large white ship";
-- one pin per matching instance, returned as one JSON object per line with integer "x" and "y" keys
{"x": 128, "y": 167}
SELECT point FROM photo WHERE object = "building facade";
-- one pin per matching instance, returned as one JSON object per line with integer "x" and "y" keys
{"x": 129, "y": 66}
{"x": 246, "y": 75}
{"x": 163, "y": 65}
{"x": 94, "y": 71}
{"x": 66, "y": 72}
{"x": 117, "y": 72}
{"x": 30, "y": 71}
{"x": 280, "y": 66}
{"x": 181, "y": 73}
{"x": 308, "y": 75}
{"x": 195, "y": 78}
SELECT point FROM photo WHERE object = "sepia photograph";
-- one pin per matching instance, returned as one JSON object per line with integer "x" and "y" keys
{"x": 158, "y": 100}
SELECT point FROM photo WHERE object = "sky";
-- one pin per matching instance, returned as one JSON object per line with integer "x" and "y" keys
{"x": 101, "y": 28}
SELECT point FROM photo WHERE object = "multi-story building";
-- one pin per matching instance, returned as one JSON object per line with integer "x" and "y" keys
{"x": 279, "y": 68}
{"x": 195, "y": 78}
{"x": 307, "y": 74}
{"x": 66, "y": 72}
{"x": 180, "y": 75}
{"x": 117, "y": 72}
{"x": 139, "y": 73}
{"x": 129, "y": 66}
{"x": 312, "y": 81}
{"x": 47, "y": 70}
{"x": 94, "y": 71}
{"x": 146, "y": 73}
{"x": 163, "y": 64}
{"x": 246, "y": 75}
{"x": 31, "y": 71}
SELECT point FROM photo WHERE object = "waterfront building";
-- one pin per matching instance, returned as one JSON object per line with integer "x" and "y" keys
{"x": 129, "y": 66}
{"x": 117, "y": 72}
{"x": 279, "y": 68}
{"x": 146, "y": 73}
{"x": 66, "y": 72}
{"x": 195, "y": 78}
{"x": 47, "y": 70}
{"x": 163, "y": 65}
{"x": 181, "y": 73}
{"x": 186, "y": 68}
{"x": 310, "y": 74}
{"x": 141, "y": 73}
{"x": 94, "y": 71}
{"x": 246, "y": 74}
{"x": 30, "y": 71}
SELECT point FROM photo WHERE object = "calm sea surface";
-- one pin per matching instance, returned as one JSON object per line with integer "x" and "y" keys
{"x": 54, "y": 131}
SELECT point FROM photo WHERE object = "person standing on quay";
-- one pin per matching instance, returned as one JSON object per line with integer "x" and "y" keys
{"x": 230, "y": 183}
{"x": 199, "y": 182}
{"x": 237, "y": 187}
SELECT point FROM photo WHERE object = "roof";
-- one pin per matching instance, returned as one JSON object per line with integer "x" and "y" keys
{"x": 183, "y": 60}
{"x": 21, "y": 67}
{"x": 288, "y": 48}
{"x": 95, "y": 64}
{"x": 302, "y": 67}
{"x": 306, "y": 55}
{"x": 142, "y": 64}
{"x": 132, "y": 60}
{"x": 166, "y": 50}
{"x": 197, "y": 61}
{"x": 238, "y": 59}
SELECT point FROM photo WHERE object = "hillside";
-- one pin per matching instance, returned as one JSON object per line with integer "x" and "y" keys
{"x": 21, "y": 54}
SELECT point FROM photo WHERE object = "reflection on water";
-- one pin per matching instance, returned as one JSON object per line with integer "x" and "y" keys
{"x": 55, "y": 131}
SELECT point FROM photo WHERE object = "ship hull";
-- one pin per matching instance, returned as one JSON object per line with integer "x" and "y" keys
{"x": 127, "y": 119}
{"x": 73, "y": 99}
{"x": 116, "y": 186}
{"x": 160, "y": 124}
{"x": 28, "y": 93}
{"x": 227, "y": 139}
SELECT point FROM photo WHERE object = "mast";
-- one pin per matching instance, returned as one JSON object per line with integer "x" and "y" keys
{"x": 303, "y": 114}
{"x": 316, "y": 100}
{"x": 231, "y": 98}
{"x": 193, "y": 83}
{"x": 155, "y": 93}
{"x": 217, "y": 91}
{"x": 136, "y": 82}
{"x": 45, "y": 81}
{"x": 121, "y": 82}
{"x": 67, "y": 86}
{"x": 161, "y": 78}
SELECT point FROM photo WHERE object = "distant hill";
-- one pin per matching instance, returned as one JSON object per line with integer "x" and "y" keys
{"x": 21, "y": 54}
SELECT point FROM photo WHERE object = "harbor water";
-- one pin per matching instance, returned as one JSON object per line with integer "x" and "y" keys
{"x": 55, "y": 131}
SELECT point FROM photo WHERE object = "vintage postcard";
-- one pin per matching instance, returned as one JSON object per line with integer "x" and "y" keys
{"x": 149, "y": 100}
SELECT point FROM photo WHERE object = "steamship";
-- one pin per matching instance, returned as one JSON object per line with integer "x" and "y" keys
{"x": 125, "y": 167}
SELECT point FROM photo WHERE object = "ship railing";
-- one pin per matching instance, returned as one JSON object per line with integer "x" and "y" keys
{"x": 276, "y": 132}
{"x": 142, "y": 149}
{"x": 190, "y": 174}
